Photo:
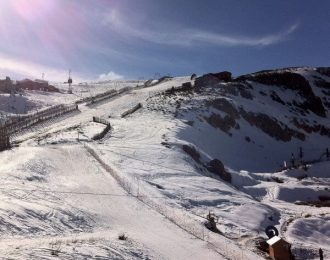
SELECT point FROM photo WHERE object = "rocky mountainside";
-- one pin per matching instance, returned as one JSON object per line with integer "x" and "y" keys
{"x": 265, "y": 116}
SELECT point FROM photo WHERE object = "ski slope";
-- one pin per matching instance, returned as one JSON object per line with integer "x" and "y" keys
{"x": 66, "y": 195}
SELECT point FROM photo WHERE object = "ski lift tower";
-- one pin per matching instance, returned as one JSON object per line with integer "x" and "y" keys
{"x": 70, "y": 83}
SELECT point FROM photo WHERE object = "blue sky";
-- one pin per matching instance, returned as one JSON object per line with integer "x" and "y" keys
{"x": 113, "y": 39}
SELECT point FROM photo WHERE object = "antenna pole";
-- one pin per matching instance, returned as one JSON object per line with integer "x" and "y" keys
{"x": 70, "y": 82}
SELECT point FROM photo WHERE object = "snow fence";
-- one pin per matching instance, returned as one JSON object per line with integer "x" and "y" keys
{"x": 132, "y": 110}
{"x": 103, "y": 96}
{"x": 105, "y": 131}
{"x": 183, "y": 219}
{"x": 17, "y": 123}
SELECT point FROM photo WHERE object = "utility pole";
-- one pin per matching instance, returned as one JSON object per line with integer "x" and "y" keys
{"x": 70, "y": 82}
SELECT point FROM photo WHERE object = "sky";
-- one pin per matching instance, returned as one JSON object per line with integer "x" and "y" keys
{"x": 135, "y": 39}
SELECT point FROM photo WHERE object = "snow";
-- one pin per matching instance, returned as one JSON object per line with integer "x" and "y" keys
{"x": 63, "y": 193}
{"x": 314, "y": 231}
{"x": 273, "y": 240}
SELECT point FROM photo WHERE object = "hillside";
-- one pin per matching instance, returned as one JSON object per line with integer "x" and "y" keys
{"x": 262, "y": 117}
{"x": 194, "y": 147}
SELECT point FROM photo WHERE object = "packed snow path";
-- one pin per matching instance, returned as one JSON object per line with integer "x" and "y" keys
{"x": 112, "y": 107}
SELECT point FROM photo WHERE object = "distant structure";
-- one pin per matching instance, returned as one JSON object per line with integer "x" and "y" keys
{"x": 38, "y": 84}
{"x": 321, "y": 254}
{"x": 42, "y": 80}
{"x": 70, "y": 83}
{"x": 6, "y": 85}
{"x": 279, "y": 249}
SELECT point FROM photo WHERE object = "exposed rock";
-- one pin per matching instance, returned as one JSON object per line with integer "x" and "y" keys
{"x": 213, "y": 78}
{"x": 326, "y": 92}
{"x": 216, "y": 166}
{"x": 324, "y": 71}
{"x": 245, "y": 93}
{"x": 325, "y": 131}
{"x": 225, "y": 76}
{"x": 317, "y": 128}
{"x": 223, "y": 123}
{"x": 231, "y": 89}
{"x": 192, "y": 152}
{"x": 322, "y": 84}
{"x": 289, "y": 80}
{"x": 293, "y": 81}
{"x": 276, "y": 98}
{"x": 271, "y": 126}
{"x": 315, "y": 105}
{"x": 224, "y": 105}
{"x": 185, "y": 87}
{"x": 206, "y": 80}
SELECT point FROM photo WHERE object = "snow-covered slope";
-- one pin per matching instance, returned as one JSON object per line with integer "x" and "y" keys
{"x": 29, "y": 101}
{"x": 245, "y": 121}
{"x": 160, "y": 171}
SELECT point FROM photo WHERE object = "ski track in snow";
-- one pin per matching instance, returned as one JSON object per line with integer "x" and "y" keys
{"x": 69, "y": 168}
{"x": 59, "y": 198}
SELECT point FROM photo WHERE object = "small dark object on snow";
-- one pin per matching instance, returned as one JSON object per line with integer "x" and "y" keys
{"x": 271, "y": 231}
{"x": 122, "y": 237}
{"x": 212, "y": 223}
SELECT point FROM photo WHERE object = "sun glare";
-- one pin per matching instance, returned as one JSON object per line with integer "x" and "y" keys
{"x": 32, "y": 10}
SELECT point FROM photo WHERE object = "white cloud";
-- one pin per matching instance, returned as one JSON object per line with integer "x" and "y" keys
{"x": 19, "y": 69}
{"x": 110, "y": 76}
{"x": 219, "y": 39}
{"x": 191, "y": 37}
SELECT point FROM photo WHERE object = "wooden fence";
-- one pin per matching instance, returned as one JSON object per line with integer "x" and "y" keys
{"x": 93, "y": 99}
{"x": 4, "y": 139}
{"x": 105, "y": 131}
{"x": 17, "y": 123}
{"x": 132, "y": 110}
{"x": 103, "y": 96}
